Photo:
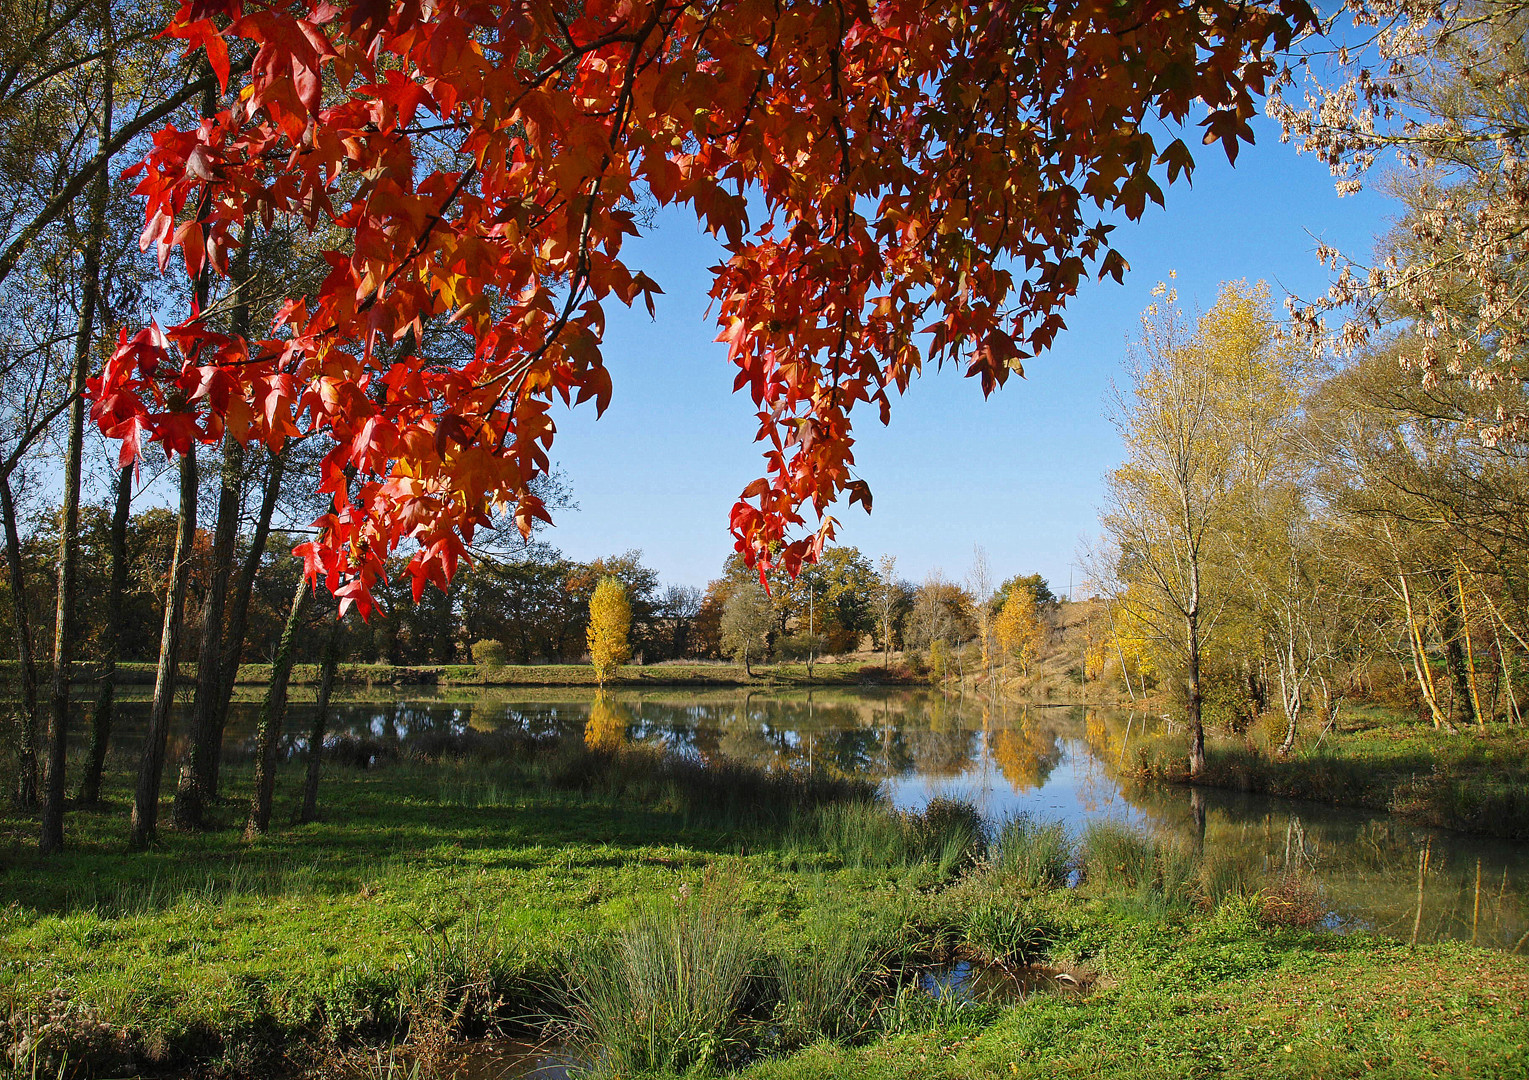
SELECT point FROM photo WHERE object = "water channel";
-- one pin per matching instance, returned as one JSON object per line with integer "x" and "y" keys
{"x": 1054, "y": 763}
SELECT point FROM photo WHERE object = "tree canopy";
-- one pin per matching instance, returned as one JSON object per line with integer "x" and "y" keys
{"x": 880, "y": 173}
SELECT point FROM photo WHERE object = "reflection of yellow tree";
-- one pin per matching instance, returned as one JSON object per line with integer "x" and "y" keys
{"x": 1025, "y": 755}
{"x": 1098, "y": 735}
{"x": 606, "y": 727}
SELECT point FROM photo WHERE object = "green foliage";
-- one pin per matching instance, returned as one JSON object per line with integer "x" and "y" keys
{"x": 489, "y": 653}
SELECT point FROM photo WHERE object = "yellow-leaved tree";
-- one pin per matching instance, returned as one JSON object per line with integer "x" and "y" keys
{"x": 610, "y": 621}
{"x": 1018, "y": 627}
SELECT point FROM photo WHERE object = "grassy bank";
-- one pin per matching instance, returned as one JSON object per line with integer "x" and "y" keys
{"x": 666, "y": 916}
{"x": 1473, "y": 781}
{"x": 846, "y": 673}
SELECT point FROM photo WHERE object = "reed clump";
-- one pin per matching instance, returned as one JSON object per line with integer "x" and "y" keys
{"x": 669, "y": 992}
{"x": 1039, "y": 854}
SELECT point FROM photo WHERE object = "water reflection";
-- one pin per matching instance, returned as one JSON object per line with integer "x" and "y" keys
{"x": 1056, "y": 763}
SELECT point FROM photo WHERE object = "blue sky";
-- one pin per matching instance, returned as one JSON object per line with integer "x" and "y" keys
{"x": 1019, "y": 473}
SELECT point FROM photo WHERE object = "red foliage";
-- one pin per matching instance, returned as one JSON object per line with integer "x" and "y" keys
{"x": 929, "y": 171}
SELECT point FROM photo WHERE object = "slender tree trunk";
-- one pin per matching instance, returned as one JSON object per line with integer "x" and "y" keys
{"x": 316, "y": 736}
{"x": 152, "y": 765}
{"x": 191, "y": 799}
{"x": 65, "y": 631}
{"x": 1193, "y": 711}
{"x": 238, "y": 609}
{"x": 272, "y": 715}
{"x": 26, "y": 751}
{"x": 1415, "y": 643}
{"x": 1451, "y": 632}
{"x": 1290, "y": 699}
{"x": 101, "y": 722}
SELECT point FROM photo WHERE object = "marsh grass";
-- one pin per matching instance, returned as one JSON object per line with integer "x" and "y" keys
{"x": 1034, "y": 853}
{"x": 1155, "y": 874}
{"x": 669, "y": 993}
{"x": 822, "y": 989}
{"x": 947, "y": 835}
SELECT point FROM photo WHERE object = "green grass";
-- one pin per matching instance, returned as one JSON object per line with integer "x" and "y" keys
{"x": 1472, "y": 781}
{"x": 683, "y": 917}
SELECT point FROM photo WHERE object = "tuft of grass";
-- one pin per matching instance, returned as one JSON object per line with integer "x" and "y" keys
{"x": 948, "y": 835}
{"x": 1034, "y": 853}
{"x": 1117, "y": 857}
{"x": 821, "y": 989}
{"x": 668, "y": 994}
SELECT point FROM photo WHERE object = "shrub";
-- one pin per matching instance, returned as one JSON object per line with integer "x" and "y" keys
{"x": 489, "y": 653}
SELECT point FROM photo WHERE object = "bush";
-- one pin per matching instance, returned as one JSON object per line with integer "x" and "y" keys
{"x": 489, "y": 653}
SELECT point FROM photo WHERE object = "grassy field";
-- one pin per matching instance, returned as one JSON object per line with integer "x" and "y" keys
{"x": 1472, "y": 781}
{"x": 770, "y": 923}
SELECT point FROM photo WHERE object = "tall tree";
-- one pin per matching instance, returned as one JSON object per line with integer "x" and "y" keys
{"x": 65, "y": 631}
{"x": 610, "y": 623}
{"x": 1198, "y": 426}
{"x": 151, "y": 766}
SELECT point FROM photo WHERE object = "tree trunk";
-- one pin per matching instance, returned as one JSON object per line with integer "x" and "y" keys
{"x": 1192, "y": 673}
{"x": 191, "y": 799}
{"x": 151, "y": 766}
{"x": 272, "y": 714}
{"x": 238, "y": 610}
{"x": 1290, "y": 700}
{"x": 1451, "y": 632}
{"x": 51, "y": 838}
{"x": 26, "y": 751}
{"x": 100, "y": 725}
{"x": 310, "y": 807}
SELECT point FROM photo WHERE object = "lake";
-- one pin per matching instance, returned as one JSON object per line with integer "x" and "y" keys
{"x": 1006, "y": 758}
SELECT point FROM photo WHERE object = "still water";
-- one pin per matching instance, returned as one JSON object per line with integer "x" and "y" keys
{"x": 1053, "y": 763}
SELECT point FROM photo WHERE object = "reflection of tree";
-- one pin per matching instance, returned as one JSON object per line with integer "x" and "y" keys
{"x": 1026, "y": 756}
{"x": 606, "y": 727}
{"x": 941, "y": 753}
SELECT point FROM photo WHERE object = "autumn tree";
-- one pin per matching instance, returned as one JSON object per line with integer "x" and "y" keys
{"x": 1198, "y": 424}
{"x": 483, "y": 161}
{"x": 1018, "y": 629}
{"x": 610, "y": 624}
{"x": 1436, "y": 93}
